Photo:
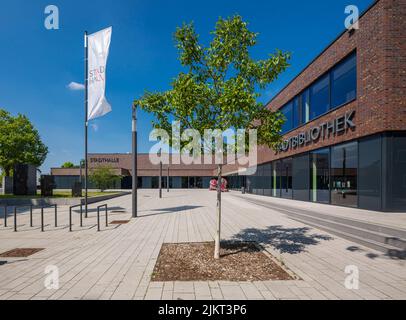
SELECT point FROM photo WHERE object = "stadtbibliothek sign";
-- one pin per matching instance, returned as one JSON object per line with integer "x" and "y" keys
{"x": 325, "y": 130}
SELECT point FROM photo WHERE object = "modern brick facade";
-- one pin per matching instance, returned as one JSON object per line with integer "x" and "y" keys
{"x": 380, "y": 44}
{"x": 379, "y": 109}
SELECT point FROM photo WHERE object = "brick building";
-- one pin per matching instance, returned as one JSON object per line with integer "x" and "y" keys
{"x": 345, "y": 134}
{"x": 180, "y": 175}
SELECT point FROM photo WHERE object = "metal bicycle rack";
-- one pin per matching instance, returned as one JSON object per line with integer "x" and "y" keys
{"x": 70, "y": 215}
{"x": 55, "y": 216}
{"x": 98, "y": 216}
{"x": 42, "y": 208}
{"x": 31, "y": 207}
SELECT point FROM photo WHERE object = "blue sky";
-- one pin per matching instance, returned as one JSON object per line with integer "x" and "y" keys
{"x": 37, "y": 64}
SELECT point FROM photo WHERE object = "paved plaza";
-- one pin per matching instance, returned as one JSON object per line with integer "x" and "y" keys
{"x": 117, "y": 262}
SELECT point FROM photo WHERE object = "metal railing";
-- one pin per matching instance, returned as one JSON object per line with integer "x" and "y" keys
{"x": 31, "y": 207}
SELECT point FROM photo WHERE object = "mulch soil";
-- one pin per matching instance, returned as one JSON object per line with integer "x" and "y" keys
{"x": 20, "y": 252}
{"x": 119, "y": 222}
{"x": 240, "y": 261}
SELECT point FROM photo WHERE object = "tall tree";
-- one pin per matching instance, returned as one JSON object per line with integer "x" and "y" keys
{"x": 219, "y": 88}
{"x": 104, "y": 177}
{"x": 20, "y": 142}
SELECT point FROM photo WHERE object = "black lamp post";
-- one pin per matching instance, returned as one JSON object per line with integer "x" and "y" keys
{"x": 167, "y": 179}
{"x": 134, "y": 161}
{"x": 160, "y": 176}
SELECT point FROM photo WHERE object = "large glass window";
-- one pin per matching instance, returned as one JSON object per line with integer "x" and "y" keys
{"x": 258, "y": 181}
{"x": 297, "y": 113}
{"x": 344, "y": 82}
{"x": 395, "y": 167}
{"x": 185, "y": 183}
{"x": 139, "y": 181}
{"x": 147, "y": 182}
{"x": 198, "y": 182}
{"x": 286, "y": 178}
{"x": 155, "y": 182}
{"x": 344, "y": 174}
{"x": 276, "y": 176}
{"x": 320, "y": 97}
{"x": 305, "y": 107}
{"x": 301, "y": 177}
{"x": 191, "y": 182}
{"x": 337, "y": 87}
{"x": 165, "y": 182}
{"x": 370, "y": 181}
{"x": 250, "y": 184}
{"x": 320, "y": 176}
{"x": 206, "y": 183}
{"x": 177, "y": 182}
{"x": 287, "y": 111}
{"x": 267, "y": 179}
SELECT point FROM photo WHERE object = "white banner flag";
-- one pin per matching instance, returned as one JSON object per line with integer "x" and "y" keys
{"x": 98, "y": 48}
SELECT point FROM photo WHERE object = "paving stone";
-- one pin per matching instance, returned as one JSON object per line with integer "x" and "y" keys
{"x": 183, "y": 287}
{"x": 234, "y": 292}
{"x": 202, "y": 289}
{"x": 117, "y": 263}
{"x": 167, "y": 295}
{"x": 153, "y": 294}
{"x": 183, "y": 296}
{"x": 251, "y": 291}
{"x": 216, "y": 293}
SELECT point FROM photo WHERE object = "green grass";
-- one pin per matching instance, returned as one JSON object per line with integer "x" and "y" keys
{"x": 57, "y": 194}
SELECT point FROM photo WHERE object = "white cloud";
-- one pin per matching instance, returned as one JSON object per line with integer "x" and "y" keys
{"x": 75, "y": 86}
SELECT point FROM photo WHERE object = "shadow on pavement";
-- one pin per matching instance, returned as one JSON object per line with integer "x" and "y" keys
{"x": 392, "y": 254}
{"x": 168, "y": 210}
{"x": 286, "y": 240}
{"x": 90, "y": 210}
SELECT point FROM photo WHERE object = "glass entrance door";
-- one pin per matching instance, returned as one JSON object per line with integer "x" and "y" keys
{"x": 344, "y": 174}
{"x": 286, "y": 178}
{"x": 320, "y": 176}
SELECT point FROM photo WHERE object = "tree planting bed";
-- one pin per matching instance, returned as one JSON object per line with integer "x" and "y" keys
{"x": 240, "y": 261}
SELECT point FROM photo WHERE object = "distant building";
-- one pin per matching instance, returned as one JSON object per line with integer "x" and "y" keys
{"x": 180, "y": 176}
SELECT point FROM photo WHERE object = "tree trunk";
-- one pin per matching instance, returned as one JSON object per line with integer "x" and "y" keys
{"x": 217, "y": 238}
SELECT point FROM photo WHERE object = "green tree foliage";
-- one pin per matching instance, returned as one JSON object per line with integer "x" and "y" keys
{"x": 220, "y": 86}
{"x": 20, "y": 142}
{"x": 104, "y": 177}
{"x": 69, "y": 164}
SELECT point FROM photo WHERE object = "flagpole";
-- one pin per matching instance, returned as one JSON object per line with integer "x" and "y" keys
{"x": 86, "y": 120}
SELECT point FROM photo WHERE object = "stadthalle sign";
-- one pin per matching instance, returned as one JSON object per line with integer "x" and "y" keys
{"x": 338, "y": 126}
{"x": 104, "y": 160}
